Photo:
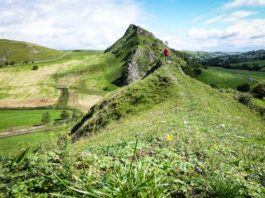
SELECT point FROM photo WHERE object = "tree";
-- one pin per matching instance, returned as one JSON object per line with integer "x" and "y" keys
{"x": 35, "y": 67}
{"x": 65, "y": 115}
{"x": 259, "y": 91}
{"x": 46, "y": 118}
{"x": 244, "y": 87}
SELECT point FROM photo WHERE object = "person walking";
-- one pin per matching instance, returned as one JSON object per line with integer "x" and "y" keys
{"x": 166, "y": 54}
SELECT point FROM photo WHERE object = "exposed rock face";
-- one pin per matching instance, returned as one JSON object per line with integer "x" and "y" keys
{"x": 140, "y": 51}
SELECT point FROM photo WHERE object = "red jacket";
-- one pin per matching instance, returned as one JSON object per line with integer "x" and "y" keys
{"x": 166, "y": 52}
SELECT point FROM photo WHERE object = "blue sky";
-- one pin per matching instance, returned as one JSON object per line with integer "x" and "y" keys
{"x": 206, "y": 25}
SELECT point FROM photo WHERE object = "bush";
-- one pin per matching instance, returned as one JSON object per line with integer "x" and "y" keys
{"x": 35, "y": 67}
{"x": 46, "y": 118}
{"x": 244, "y": 98}
{"x": 244, "y": 87}
{"x": 26, "y": 62}
{"x": 65, "y": 115}
{"x": 7, "y": 63}
{"x": 12, "y": 63}
{"x": 259, "y": 91}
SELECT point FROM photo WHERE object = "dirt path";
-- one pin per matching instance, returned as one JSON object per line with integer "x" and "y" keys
{"x": 26, "y": 131}
{"x": 53, "y": 59}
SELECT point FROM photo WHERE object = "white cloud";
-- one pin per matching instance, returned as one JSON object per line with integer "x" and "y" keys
{"x": 215, "y": 19}
{"x": 67, "y": 24}
{"x": 234, "y": 16}
{"x": 239, "y": 3}
{"x": 235, "y": 37}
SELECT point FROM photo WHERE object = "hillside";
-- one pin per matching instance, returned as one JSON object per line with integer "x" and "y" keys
{"x": 164, "y": 134}
{"x": 16, "y": 52}
{"x": 140, "y": 51}
{"x": 253, "y": 60}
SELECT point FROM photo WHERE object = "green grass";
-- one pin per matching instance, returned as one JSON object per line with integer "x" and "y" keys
{"x": 20, "y": 52}
{"x": 217, "y": 149}
{"x": 11, "y": 146}
{"x": 230, "y": 78}
{"x": 12, "y": 119}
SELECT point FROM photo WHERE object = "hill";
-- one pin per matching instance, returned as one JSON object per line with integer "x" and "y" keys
{"x": 164, "y": 135}
{"x": 140, "y": 51}
{"x": 16, "y": 52}
{"x": 253, "y": 60}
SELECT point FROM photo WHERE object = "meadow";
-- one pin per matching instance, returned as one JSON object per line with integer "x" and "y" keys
{"x": 230, "y": 78}
{"x": 73, "y": 71}
{"x": 15, "y": 119}
{"x": 175, "y": 146}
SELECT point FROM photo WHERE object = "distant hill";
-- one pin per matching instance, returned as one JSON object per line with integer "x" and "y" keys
{"x": 253, "y": 60}
{"x": 201, "y": 55}
{"x": 14, "y": 52}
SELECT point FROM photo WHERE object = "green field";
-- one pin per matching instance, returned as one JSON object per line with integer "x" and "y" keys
{"x": 10, "y": 146}
{"x": 87, "y": 75}
{"x": 13, "y": 119}
{"x": 230, "y": 78}
{"x": 19, "y": 52}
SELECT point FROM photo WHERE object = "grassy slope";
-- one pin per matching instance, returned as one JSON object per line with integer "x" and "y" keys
{"x": 12, "y": 119}
{"x": 20, "y": 52}
{"x": 73, "y": 71}
{"x": 217, "y": 148}
{"x": 229, "y": 78}
{"x": 11, "y": 146}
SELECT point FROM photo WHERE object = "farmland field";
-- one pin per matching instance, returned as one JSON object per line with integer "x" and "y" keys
{"x": 230, "y": 78}
{"x": 74, "y": 71}
{"x": 13, "y": 119}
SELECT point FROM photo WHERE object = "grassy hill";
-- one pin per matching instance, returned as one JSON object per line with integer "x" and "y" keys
{"x": 164, "y": 135}
{"x": 16, "y": 52}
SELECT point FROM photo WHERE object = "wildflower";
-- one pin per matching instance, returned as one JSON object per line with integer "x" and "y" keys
{"x": 169, "y": 137}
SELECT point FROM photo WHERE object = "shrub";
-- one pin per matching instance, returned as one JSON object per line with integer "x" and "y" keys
{"x": 244, "y": 87}
{"x": 46, "y": 118}
{"x": 26, "y": 62}
{"x": 35, "y": 67}
{"x": 12, "y": 63}
{"x": 244, "y": 98}
{"x": 6, "y": 63}
{"x": 65, "y": 115}
{"x": 259, "y": 91}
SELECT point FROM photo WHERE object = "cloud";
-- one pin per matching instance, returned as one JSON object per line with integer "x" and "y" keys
{"x": 240, "y": 3}
{"x": 65, "y": 24}
{"x": 215, "y": 19}
{"x": 235, "y": 37}
{"x": 234, "y": 16}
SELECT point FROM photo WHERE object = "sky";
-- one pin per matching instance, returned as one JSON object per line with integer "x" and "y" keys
{"x": 198, "y": 25}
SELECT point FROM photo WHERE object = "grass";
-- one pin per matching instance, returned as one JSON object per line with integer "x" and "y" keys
{"x": 73, "y": 71}
{"x": 131, "y": 157}
{"x": 229, "y": 78}
{"x": 12, "y": 146}
{"x": 13, "y": 119}
{"x": 20, "y": 52}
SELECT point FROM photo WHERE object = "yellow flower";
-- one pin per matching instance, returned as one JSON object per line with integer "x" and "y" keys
{"x": 169, "y": 137}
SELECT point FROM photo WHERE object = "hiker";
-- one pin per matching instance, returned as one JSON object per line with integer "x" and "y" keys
{"x": 166, "y": 54}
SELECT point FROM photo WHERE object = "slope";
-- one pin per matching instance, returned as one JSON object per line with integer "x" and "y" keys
{"x": 12, "y": 52}
{"x": 140, "y": 51}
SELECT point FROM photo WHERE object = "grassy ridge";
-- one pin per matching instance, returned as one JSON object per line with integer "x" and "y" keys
{"x": 20, "y": 52}
{"x": 228, "y": 78}
{"x": 197, "y": 142}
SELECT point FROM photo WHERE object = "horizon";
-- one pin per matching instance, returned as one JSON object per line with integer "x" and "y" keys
{"x": 208, "y": 26}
